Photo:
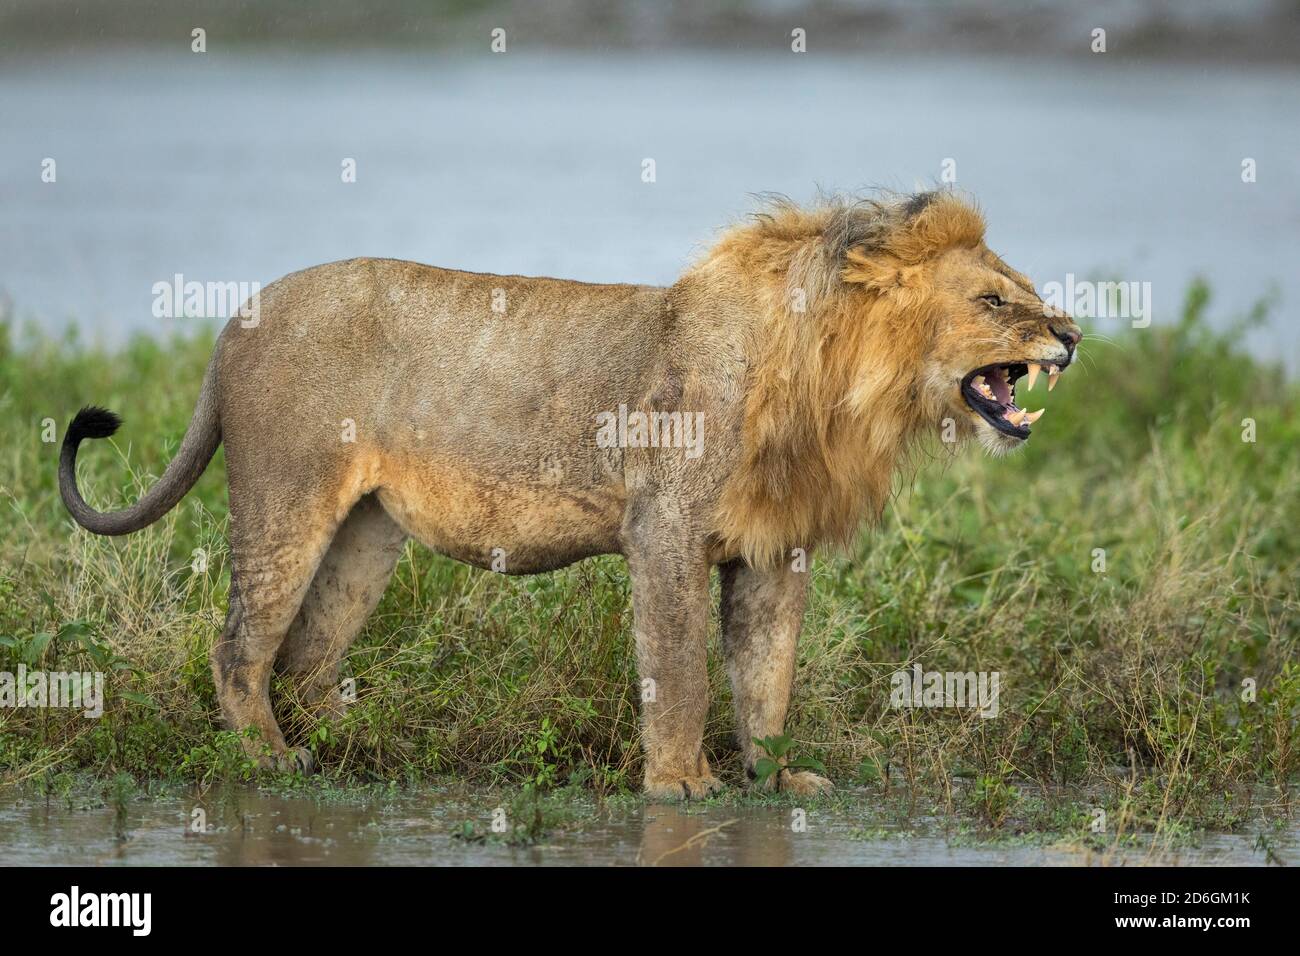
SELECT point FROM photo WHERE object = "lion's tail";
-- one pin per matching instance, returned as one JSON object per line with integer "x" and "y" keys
{"x": 197, "y": 448}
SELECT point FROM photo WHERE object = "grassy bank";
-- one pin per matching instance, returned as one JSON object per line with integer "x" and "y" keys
{"x": 1123, "y": 684}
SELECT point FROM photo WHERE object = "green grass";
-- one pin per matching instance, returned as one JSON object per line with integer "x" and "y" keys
{"x": 1120, "y": 689}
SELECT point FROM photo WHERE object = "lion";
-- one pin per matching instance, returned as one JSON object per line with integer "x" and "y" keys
{"x": 521, "y": 424}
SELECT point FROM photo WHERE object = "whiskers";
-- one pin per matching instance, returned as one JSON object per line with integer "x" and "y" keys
{"x": 1085, "y": 358}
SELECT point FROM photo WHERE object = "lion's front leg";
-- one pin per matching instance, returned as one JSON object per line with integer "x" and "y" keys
{"x": 762, "y": 613}
{"x": 670, "y": 605}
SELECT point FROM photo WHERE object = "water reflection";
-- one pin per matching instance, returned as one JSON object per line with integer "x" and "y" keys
{"x": 673, "y": 837}
{"x": 245, "y": 827}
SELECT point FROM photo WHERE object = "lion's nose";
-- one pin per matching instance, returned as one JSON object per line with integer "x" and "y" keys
{"x": 1068, "y": 336}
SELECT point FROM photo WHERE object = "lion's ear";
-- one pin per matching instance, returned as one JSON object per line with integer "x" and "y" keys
{"x": 877, "y": 272}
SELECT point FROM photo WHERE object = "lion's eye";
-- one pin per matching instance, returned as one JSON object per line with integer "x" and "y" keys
{"x": 992, "y": 299}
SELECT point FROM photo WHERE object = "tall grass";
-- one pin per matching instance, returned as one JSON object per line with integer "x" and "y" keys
{"x": 1126, "y": 682}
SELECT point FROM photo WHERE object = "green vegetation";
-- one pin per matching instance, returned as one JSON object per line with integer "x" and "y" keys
{"x": 1121, "y": 689}
{"x": 777, "y": 754}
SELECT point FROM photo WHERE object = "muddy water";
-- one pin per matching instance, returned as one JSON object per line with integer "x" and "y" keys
{"x": 249, "y": 827}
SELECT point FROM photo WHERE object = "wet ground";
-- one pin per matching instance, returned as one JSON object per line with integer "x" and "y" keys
{"x": 244, "y": 826}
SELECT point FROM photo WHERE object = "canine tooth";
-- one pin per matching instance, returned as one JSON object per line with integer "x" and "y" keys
{"x": 1032, "y": 417}
{"x": 1017, "y": 417}
{"x": 1052, "y": 377}
{"x": 1031, "y": 375}
{"x": 977, "y": 381}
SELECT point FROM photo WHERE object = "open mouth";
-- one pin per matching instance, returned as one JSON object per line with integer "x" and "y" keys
{"x": 991, "y": 391}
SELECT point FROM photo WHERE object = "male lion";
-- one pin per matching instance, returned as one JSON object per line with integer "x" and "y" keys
{"x": 376, "y": 399}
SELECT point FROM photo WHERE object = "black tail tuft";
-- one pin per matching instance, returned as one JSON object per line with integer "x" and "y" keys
{"x": 91, "y": 422}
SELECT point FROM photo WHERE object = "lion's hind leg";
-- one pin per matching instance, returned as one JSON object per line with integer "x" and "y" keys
{"x": 344, "y": 591}
{"x": 274, "y": 553}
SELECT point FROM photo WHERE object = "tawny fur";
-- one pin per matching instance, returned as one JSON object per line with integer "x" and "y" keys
{"x": 375, "y": 400}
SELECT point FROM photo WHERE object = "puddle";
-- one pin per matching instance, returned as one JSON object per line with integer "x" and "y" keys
{"x": 244, "y": 826}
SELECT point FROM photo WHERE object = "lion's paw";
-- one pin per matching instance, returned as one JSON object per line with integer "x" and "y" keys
{"x": 802, "y": 783}
{"x": 298, "y": 760}
{"x": 682, "y": 788}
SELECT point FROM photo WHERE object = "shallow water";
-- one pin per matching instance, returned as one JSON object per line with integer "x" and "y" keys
{"x": 226, "y": 166}
{"x": 250, "y": 827}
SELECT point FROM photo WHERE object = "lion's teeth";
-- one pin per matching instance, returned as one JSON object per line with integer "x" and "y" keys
{"x": 1052, "y": 376}
{"x": 1032, "y": 376}
{"x": 1017, "y": 417}
{"x": 1032, "y": 417}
